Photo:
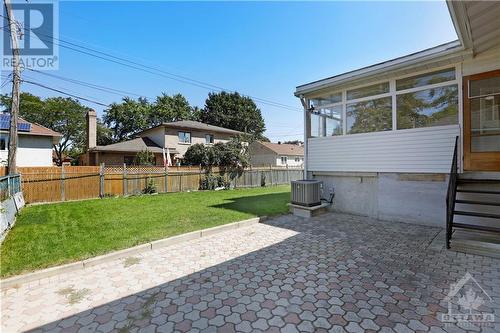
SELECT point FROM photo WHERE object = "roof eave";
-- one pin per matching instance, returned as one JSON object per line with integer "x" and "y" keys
{"x": 460, "y": 19}
{"x": 442, "y": 52}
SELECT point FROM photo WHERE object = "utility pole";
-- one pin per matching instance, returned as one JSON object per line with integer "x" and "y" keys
{"x": 16, "y": 81}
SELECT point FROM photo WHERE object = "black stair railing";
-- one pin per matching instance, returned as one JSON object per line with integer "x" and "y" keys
{"x": 451, "y": 195}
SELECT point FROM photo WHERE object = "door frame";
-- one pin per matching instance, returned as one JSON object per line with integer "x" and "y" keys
{"x": 482, "y": 161}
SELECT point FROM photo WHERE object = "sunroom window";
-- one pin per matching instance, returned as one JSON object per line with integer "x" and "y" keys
{"x": 327, "y": 121}
{"x": 429, "y": 102}
{"x": 369, "y": 116}
{"x": 423, "y": 100}
{"x": 331, "y": 99}
{"x": 375, "y": 89}
{"x": 426, "y": 79}
{"x": 429, "y": 107}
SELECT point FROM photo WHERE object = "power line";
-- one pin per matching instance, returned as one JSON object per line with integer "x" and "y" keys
{"x": 91, "y": 85}
{"x": 65, "y": 93}
{"x": 153, "y": 70}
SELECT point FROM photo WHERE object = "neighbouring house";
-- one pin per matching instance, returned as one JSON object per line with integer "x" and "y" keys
{"x": 384, "y": 135}
{"x": 34, "y": 145}
{"x": 275, "y": 154}
{"x": 177, "y": 136}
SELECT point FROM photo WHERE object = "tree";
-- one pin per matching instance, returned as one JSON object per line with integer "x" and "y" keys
{"x": 231, "y": 158}
{"x": 63, "y": 115}
{"x": 294, "y": 142}
{"x": 127, "y": 118}
{"x": 144, "y": 157}
{"x": 170, "y": 108}
{"x": 104, "y": 134}
{"x": 231, "y": 110}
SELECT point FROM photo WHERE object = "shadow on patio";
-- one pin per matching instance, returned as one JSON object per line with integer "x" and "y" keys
{"x": 338, "y": 271}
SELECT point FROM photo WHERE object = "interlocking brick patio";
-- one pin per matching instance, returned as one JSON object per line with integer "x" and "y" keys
{"x": 332, "y": 273}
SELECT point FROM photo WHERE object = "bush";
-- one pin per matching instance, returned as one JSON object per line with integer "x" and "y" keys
{"x": 211, "y": 182}
{"x": 150, "y": 187}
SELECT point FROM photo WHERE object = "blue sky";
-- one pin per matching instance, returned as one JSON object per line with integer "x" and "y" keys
{"x": 262, "y": 49}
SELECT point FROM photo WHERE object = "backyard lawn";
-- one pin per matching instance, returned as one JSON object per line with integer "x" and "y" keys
{"x": 52, "y": 234}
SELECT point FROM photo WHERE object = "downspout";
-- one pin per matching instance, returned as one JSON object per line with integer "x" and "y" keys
{"x": 306, "y": 132}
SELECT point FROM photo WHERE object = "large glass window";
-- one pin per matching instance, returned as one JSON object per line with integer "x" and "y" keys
{"x": 426, "y": 79}
{"x": 327, "y": 100}
{"x": 184, "y": 137}
{"x": 485, "y": 123}
{"x": 369, "y": 116}
{"x": 209, "y": 139}
{"x": 327, "y": 122}
{"x": 484, "y": 87}
{"x": 429, "y": 107}
{"x": 375, "y": 89}
{"x": 429, "y": 99}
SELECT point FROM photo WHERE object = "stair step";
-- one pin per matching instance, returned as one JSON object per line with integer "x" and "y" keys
{"x": 487, "y": 215}
{"x": 473, "y": 202}
{"x": 475, "y": 227}
{"x": 478, "y": 181}
{"x": 478, "y": 191}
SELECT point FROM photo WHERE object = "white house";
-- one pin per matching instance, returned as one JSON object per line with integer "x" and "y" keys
{"x": 35, "y": 143}
{"x": 384, "y": 135}
{"x": 276, "y": 154}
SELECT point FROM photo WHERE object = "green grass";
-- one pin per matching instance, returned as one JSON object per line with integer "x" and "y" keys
{"x": 53, "y": 234}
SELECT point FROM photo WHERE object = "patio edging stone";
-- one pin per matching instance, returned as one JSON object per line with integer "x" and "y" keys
{"x": 36, "y": 276}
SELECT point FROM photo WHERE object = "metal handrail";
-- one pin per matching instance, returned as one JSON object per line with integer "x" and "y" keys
{"x": 451, "y": 194}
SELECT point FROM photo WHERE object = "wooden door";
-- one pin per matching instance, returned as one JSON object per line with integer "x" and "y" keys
{"x": 482, "y": 121}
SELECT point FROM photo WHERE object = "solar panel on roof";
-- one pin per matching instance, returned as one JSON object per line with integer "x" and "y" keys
{"x": 5, "y": 124}
{"x": 24, "y": 127}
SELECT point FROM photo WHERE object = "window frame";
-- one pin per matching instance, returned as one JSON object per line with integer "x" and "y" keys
{"x": 184, "y": 142}
{"x": 393, "y": 93}
{"x": 211, "y": 136}
{"x": 286, "y": 159}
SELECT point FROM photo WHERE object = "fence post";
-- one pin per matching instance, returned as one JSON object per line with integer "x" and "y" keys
{"x": 125, "y": 181}
{"x": 271, "y": 174}
{"x": 166, "y": 179}
{"x": 180, "y": 180}
{"x": 9, "y": 190}
{"x": 251, "y": 176}
{"x": 63, "y": 194}
{"x": 101, "y": 181}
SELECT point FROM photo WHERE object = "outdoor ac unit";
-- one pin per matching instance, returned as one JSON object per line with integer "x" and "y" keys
{"x": 306, "y": 192}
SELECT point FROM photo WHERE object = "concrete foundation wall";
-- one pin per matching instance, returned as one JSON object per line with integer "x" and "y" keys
{"x": 401, "y": 197}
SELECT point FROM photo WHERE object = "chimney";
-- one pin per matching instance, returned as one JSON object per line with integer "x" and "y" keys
{"x": 91, "y": 129}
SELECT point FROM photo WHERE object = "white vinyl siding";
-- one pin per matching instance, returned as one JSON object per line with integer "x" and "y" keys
{"x": 425, "y": 150}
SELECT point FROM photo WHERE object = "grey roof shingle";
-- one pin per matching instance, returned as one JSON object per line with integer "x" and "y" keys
{"x": 134, "y": 145}
{"x": 195, "y": 125}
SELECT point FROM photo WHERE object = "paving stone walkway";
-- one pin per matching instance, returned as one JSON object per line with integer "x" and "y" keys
{"x": 337, "y": 273}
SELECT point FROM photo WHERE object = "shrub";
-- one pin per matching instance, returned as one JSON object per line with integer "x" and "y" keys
{"x": 150, "y": 187}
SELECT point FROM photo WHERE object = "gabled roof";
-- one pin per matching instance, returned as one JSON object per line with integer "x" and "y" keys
{"x": 134, "y": 146}
{"x": 195, "y": 125}
{"x": 41, "y": 130}
{"x": 34, "y": 129}
{"x": 284, "y": 148}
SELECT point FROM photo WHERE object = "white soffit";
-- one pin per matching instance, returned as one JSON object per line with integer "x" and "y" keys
{"x": 477, "y": 23}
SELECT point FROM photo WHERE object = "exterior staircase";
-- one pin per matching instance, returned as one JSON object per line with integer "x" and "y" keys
{"x": 475, "y": 217}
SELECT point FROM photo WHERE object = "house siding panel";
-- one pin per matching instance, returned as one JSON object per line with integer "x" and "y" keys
{"x": 421, "y": 150}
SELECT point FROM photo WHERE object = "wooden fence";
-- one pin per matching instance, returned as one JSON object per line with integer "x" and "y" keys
{"x": 53, "y": 184}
